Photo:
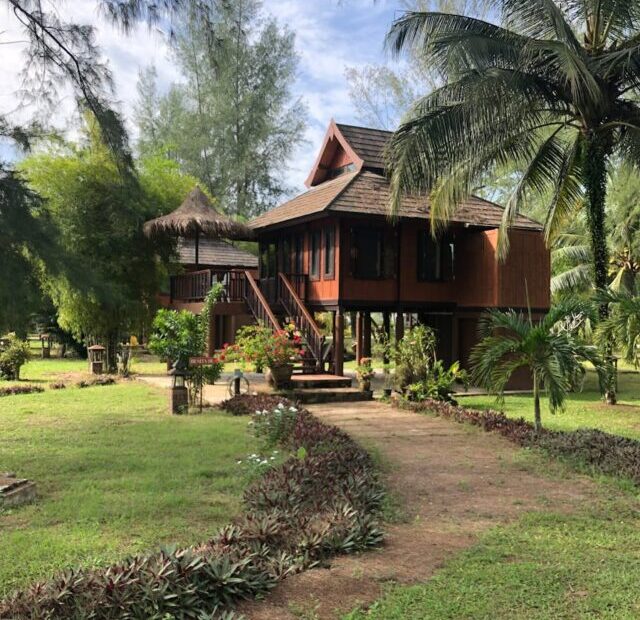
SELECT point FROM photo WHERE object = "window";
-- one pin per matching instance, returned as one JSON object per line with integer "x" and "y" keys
{"x": 367, "y": 253}
{"x": 315, "y": 254}
{"x": 329, "y": 249}
{"x": 435, "y": 258}
{"x": 268, "y": 260}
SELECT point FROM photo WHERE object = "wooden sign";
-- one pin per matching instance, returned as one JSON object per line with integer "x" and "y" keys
{"x": 201, "y": 361}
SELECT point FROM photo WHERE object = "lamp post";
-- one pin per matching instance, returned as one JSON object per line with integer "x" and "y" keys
{"x": 96, "y": 359}
{"x": 178, "y": 394}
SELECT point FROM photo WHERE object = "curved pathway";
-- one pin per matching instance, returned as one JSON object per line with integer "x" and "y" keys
{"x": 450, "y": 482}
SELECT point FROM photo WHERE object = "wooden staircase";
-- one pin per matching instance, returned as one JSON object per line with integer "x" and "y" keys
{"x": 318, "y": 350}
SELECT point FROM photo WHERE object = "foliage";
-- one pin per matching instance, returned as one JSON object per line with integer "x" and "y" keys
{"x": 111, "y": 274}
{"x": 621, "y": 329}
{"x": 553, "y": 355}
{"x": 12, "y": 390}
{"x": 234, "y": 106}
{"x": 252, "y": 341}
{"x": 99, "y": 380}
{"x": 176, "y": 336}
{"x": 275, "y": 425}
{"x": 248, "y": 404}
{"x": 599, "y": 451}
{"x": 264, "y": 347}
{"x": 415, "y": 356}
{"x": 27, "y": 238}
{"x": 364, "y": 370}
{"x": 438, "y": 384}
{"x": 200, "y": 375}
{"x": 13, "y": 355}
{"x": 297, "y": 514}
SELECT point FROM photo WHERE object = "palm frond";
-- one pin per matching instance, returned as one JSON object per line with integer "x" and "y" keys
{"x": 578, "y": 278}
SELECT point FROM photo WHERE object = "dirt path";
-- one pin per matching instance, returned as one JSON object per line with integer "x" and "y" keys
{"x": 451, "y": 481}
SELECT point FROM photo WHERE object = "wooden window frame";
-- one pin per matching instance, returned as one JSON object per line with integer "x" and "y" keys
{"x": 315, "y": 250}
{"x": 424, "y": 236}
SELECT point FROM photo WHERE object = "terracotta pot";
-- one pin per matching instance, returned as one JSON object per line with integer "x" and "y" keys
{"x": 281, "y": 375}
{"x": 365, "y": 385}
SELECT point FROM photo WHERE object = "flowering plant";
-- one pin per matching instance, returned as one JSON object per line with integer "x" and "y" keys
{"x": 263, "y": 347}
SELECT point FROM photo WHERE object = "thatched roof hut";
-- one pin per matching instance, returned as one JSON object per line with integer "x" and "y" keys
{"x": 194, "y": 218}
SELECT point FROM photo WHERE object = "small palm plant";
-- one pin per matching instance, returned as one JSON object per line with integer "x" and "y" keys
{"x": 552, "y": 353}
{"x": 621, "y": 328}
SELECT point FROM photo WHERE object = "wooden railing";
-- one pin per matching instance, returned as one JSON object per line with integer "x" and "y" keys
{"x": 258, "y": 304}
{"x": 195, "y": 285}
{"x": 298, "y": 312}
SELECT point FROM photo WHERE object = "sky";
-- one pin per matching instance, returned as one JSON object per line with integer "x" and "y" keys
{"x": 330, "y": 36}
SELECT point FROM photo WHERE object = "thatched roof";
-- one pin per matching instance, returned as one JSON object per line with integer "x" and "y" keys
{"x": 196, "y": 216}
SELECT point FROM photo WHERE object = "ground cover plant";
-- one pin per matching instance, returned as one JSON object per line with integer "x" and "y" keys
{"x": 116, "y": 475}
{"x": 12, "y": 390}
{"x": 601, "y": 452}
{"x": 321, "y": 501}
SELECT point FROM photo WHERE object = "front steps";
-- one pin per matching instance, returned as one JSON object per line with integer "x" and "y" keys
{"x": 326, "y": 395}
{"x": 319, "y": 381}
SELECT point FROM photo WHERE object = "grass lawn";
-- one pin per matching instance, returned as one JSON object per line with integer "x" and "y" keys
{"x": 116, "y": 475}
{"x": 545, "y": 566}
{"x": 583, "y": 410}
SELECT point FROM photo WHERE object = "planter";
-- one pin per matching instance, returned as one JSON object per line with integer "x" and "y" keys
{"x": 387, "y": 392}
{"x": 365, "y": 385}
{"x": 281, "y": 375}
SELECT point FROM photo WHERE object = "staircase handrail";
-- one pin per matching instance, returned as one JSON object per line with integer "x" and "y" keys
{"x": 266, "y": 309}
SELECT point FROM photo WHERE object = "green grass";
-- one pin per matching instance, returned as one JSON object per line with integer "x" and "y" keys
{"x": 583, "y": 410}
{"x": 545, "y": 566}
{"x": 116, "y": 474}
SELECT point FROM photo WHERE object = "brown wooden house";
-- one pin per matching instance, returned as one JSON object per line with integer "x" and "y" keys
{"x": 333, "y": 248}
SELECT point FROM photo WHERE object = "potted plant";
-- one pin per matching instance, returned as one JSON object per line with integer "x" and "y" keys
{"x": 273, "y": 350}
{"x": 364, "y": 373}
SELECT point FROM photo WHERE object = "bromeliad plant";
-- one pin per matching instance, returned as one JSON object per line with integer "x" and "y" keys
{"x": 512, "y": 341}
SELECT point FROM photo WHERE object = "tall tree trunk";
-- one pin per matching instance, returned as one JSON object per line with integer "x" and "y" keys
{"x": 595, "y": 180}
{"x": 536, "y": 403}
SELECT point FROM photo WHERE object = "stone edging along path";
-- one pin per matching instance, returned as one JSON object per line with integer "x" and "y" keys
{"x": 451, "y": 482}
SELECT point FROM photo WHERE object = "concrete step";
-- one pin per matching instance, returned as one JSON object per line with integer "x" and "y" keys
{"x": 327, "y": 395}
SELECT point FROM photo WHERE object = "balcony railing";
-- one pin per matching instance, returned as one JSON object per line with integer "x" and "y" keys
{"x": 195, "y": 285}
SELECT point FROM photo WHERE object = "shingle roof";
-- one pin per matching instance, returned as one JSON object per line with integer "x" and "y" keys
{"x": 368, "y": 193}
{"x": 315, "y": 200}
{"x": 367, "y": 143}
{"x": 214, "y": 252}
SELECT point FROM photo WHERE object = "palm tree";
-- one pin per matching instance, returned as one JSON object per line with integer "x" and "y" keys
{"x": 553, "y": 90}
{"x": 622, "y": 327}
{"x": 549, "y": 349}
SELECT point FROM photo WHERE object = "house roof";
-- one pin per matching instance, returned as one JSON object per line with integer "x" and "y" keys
{"x": 214, "y": 252}
{"x": 368, "y": 143}
{"x": 367, "y": 193}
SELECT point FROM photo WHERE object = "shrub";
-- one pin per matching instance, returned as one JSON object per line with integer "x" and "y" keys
{"x": 99, "y": 380}
{"x": 320, "y": 502}
{"x": 438, "y": 383}
{"x": 12, "y": 390}
{"x": 177, "y": 336}
{"x": 13, "y": 355}
{"x": 249, "y": 404}
{"x": 274, "y": 426}
{"x": 602, "y": 452}
{"x": 415, "y": 355}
